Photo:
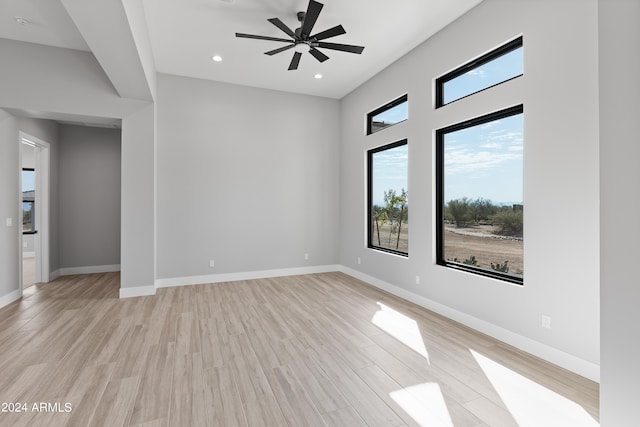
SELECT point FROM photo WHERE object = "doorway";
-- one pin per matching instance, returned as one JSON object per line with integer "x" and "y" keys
{"x": 34, "y": 210}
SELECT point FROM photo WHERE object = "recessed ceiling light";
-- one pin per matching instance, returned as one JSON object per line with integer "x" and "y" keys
{"x": 318, "y": 76}
{"x": 22, "y": 21}
{"x": 216, "y": 58}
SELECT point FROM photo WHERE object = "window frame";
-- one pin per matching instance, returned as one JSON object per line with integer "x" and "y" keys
{"x": 369, "y": 205}
{"x": 33, "y": 209}
{"x": 389, "y": 105}
{"x": 439, "y": 191}
{"x": 506, "y": 48}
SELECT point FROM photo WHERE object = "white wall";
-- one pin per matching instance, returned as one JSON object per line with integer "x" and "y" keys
{"x": 559, "y": 93}
{"x": 89, "y": 197}
{"x": 247, "y": 177}
{"x": 619, "y": 37}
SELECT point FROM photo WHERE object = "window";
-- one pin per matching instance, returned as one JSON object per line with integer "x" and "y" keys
{"x": 497, "y": 66}
{"x": 28, "y": 201}
{"x": 388, "y": 115}
{"x": 479, "y": 191}
{"x": 388, "y": 203}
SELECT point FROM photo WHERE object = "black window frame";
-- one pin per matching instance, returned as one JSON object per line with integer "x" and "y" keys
{"x": 506, "y": 48}
{"x": 439, "y": 190}
{"x": 370, "y": 154}
{"x": 400, "y": 100}
{"x": 33, "y": 209}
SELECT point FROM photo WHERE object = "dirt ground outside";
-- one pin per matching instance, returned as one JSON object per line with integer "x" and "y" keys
{"x": 480, "y": 241}
{"x": 388, "y": 238}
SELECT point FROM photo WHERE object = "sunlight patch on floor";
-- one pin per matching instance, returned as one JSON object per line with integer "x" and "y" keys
{"x": 401, "y": 327}
{"x": 530, "y": 403}
{"x": 425, "y": 404}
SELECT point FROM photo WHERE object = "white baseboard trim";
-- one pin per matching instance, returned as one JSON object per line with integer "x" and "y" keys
{"x": 28, "y": 254}
{"x": 249, "y": 275}
{"x": 574, "y": 364}
{"x": 54, "y": 275}
{"x": 10, "y": 297}
{"x": 138, "y": 291}
{"x": 92, "y": 269}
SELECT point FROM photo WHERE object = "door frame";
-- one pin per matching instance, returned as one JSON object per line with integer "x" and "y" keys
{"x": 42, "y": 206}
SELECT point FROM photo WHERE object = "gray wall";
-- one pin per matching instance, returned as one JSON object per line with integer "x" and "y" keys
{"x": 247, "y": 177}
{"x": 89, "y": 196}
{"x": 619, "y": 37}
{"x": 559, "y": 93}
{"x": 10, "y": 167}
{"x": 69, "y": 82}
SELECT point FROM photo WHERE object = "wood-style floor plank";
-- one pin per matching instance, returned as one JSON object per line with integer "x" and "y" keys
{"x": 311, "y": 350}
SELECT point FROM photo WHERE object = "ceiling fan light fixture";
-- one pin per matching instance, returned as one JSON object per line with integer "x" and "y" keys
{"x": 302, "y": 47}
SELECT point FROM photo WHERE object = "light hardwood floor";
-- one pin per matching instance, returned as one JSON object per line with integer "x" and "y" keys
{"x": 322, "y": 349}
{"x": 28, "y": 272}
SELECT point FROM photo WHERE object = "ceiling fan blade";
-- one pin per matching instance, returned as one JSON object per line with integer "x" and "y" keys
{"x": 342, "y": 47}
{"x": 295, "y": 61}
{"x": 318, "y": 55}
{"x": 278, "y": 23}
{"x": 251, "y": 36}
{"x": 331, "y": 32}
{"x": 310, "y": 18}
{"x": 282, "y": 49}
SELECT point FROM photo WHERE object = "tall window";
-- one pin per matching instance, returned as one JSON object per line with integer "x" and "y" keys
{"x": 388, "y": 198}
{"x": 497, "y": 66}
{"x": 479, "y": 188}
{"x": 28, "y": 201}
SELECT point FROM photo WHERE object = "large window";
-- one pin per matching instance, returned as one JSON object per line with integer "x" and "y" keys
{"x": 389, "y": 114}
{"x": 388, "y": 200}
{"x": 497, "y": 66}
{"x": 479, "y": 190}
{"x": 28, "y": 201}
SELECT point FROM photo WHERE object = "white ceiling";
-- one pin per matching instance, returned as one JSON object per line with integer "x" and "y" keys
{"x": 184, "y": 34}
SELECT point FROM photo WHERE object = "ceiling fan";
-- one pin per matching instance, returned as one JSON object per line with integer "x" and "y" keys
{"x": 302, "y": 40}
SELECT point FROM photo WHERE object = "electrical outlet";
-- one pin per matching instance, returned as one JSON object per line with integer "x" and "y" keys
{"x": 306, "y": 256}
{"x": 546, "y": 322}
{"x": 359, "y": 261}
{"x": 25, "y": 245}
{"x": 417, "y": 280}
{"x": 211, "y": 263}
{"x": 9, "y": 222}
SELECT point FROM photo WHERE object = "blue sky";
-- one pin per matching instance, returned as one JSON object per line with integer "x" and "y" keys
{"x": 393, "y": 115}
{"x": 389, "y": 172}
{"x": 28, "y": 180}
{"x": 500, "y": 69}
{"x": 485, "y": 161}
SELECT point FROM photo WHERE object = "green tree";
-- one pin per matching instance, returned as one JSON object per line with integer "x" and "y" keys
{"x": 459, "y": 211}
{"x": 380, "y": 219}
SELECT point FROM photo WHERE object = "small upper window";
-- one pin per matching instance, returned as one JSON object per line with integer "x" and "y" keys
{"x": 388, "y": 115}
{"x": 497, "y": 66}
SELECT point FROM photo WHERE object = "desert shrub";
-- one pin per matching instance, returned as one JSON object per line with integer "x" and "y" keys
{"x": 458, "y": 211}
{"x": 503, "y": 268}
{"x": 508, "y": 222}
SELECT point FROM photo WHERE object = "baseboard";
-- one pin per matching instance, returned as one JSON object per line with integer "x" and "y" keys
{"x": 10, "y": 297}
{"x": 28, "y": 254}
{"x": 54, "y": 275}
{"x": 92, "y": 269}
{"x": 249, "y": 275}
{"x": 567, "y": 361}
{"x": 138, "y": 291}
